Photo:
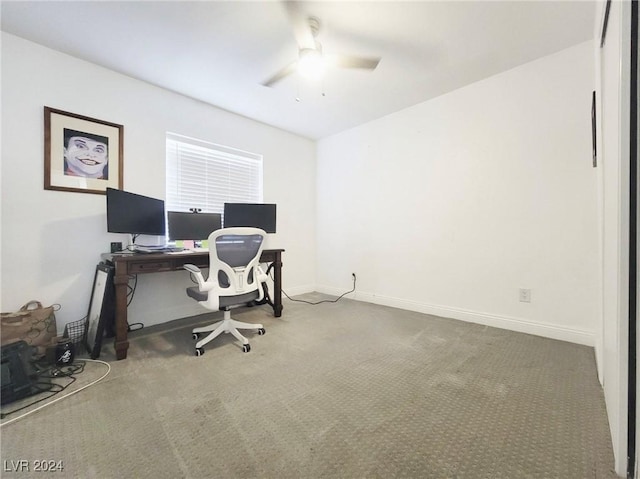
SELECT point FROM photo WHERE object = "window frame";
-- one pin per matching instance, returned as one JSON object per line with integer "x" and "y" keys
{"x": 243, "y": 183}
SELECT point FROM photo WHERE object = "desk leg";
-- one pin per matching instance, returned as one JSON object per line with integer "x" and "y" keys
{"x": 277, "y": 285}
{"x": 121, "y": 281}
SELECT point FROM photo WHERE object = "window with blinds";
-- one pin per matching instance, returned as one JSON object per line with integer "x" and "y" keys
{"x": 206, "y": 176}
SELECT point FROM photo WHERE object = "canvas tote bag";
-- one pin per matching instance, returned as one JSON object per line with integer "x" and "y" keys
{"x": 32, "y": 323}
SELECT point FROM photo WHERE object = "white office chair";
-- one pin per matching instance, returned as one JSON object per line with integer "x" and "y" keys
{"x": 235, "y": 279}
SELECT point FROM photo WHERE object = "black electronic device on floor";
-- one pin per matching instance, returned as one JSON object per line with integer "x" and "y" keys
{"x": 18, "y": 372}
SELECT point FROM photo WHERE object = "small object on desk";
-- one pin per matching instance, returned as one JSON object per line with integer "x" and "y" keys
{"x": 145, "y": 250}
{"x": 158, "y": 249}
{"x": 188, "y": 244}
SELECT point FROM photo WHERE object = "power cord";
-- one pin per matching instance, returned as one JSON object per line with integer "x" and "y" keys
{"x": 132, "y": 290}
{"x": 130, "y": 294}
{"x": 47, "y": 386}
{"x": 324, "y": 300}
{"x": 55, "y": 373}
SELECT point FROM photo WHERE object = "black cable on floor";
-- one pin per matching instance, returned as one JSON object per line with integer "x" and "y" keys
{"x": 324, "y": 300}
{"x": 41, "y": 386}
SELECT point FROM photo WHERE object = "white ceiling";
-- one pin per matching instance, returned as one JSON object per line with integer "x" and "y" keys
{"x": 220, "y": 52}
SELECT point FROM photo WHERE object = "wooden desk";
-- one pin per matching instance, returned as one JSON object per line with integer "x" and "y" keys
{"x": 129, "y": 264}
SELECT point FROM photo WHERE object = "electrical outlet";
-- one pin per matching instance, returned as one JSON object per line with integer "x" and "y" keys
{"x": 525, "y": 295}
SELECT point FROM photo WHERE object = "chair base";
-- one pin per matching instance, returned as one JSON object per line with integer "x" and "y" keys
{"x": 227, "y": 325}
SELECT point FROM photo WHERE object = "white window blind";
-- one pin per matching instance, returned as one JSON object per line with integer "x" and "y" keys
{"x": 206, "y": 176}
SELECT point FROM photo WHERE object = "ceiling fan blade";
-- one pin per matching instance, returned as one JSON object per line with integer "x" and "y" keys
{"x": 346, "y": 61}
{"x": 288, "y": 70}
{"x": 300, "y": 24}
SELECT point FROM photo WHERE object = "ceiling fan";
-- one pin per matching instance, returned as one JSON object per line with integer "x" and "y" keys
{"x": 312, "y": 61}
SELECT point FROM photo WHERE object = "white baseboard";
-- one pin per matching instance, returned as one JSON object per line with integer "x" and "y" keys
{"x": 586, "y": 338}
{"x": 295, "y": 291}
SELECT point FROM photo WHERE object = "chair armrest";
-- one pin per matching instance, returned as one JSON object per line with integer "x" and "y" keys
{"x": 261, "y": 275}
{"x": 197, "y": 274}
{"x": 261, "y": 278}
{"x": 192, "y": 268}
{"x": 212, "y": 301}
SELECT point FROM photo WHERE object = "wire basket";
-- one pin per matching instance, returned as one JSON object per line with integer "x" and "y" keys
{"x": 75, "y": 332}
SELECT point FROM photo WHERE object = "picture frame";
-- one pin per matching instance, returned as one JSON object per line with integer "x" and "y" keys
{"x": 605, "y": 23}
{"x": 594, "y": 132}
{"x": 81, "y": 154}
{"x": 101, "y": 309}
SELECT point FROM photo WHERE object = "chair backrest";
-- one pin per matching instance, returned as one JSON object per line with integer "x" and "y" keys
{"x": 234, "y": 255}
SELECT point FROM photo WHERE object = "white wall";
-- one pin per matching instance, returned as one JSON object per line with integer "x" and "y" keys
{"x": 452, "y": 205}
{"x": 52, "y": 240}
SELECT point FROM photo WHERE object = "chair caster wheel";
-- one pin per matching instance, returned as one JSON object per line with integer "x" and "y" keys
{"x": 195, "y": 336}
{"x": 246, "y": 348}
{"x": 199, "y": 351}
{"x": 261, "y": 331}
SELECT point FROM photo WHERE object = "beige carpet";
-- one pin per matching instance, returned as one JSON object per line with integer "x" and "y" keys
{"x": 344, "y": 390}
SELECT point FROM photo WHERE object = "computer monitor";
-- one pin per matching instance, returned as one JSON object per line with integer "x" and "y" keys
{"x": 192, "y": 226}
{"x": 250, "y": 214}
{"x": 134, "y": 214}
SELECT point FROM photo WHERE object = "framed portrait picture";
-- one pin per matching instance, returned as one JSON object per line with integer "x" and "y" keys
{"x": 81, "y": 154}
{"x": 100, "y": 309}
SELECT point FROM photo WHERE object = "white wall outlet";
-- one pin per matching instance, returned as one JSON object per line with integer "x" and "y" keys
{"x": 525, "y": 295}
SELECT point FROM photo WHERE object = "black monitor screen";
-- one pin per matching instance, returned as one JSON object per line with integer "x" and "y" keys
{"x": 192, "y": 226}
{"x": 134, "y": 214}
{"x": 250, "y": 214}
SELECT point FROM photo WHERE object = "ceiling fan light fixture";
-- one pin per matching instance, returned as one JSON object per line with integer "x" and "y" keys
{"x": 311, "y": 64}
